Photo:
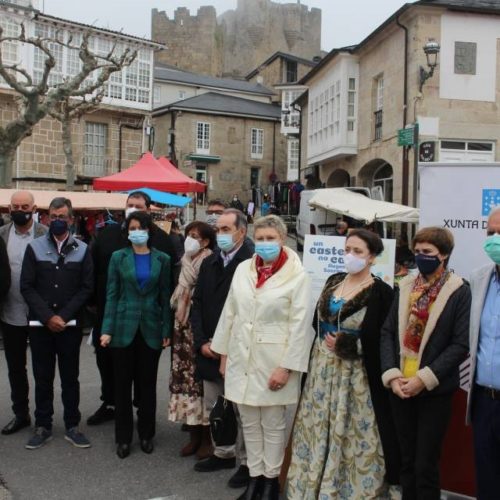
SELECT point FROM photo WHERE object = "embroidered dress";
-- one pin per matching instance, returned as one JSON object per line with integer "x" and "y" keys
{"x": 336, "y": 451}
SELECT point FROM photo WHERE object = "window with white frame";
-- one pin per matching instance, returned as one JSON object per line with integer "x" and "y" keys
{"x": 10, "y": 28}
{"x": 457, "y": 151}
{"x": 182, "y": 94}
{"x": 95, "y": 145}
{"x": 257, "y": 143}
{"x": 156, "y": 94}
{"x": 351, "y": 105}
{"x": 379, "y": 98}
{"x": 337, "y": 107}
{"x": 290, "y": 116}
{"x": 203, "y": 138}
{"x": 293, "y": 159}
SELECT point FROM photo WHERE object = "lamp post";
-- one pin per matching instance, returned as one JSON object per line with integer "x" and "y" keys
{"x": 431, "y": 50}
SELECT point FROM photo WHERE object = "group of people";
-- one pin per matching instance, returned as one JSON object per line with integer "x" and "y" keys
{"x": 382, "y": 366}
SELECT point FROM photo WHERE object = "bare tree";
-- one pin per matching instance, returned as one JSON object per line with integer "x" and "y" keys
{"x": 64, "y": 100}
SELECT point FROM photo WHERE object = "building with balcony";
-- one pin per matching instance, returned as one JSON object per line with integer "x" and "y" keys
{"x": 105, "y": 141}
{"x": 360, "y": 96}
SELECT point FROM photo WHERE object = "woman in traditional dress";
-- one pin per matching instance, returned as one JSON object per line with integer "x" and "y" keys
{"x": 186, "y": 403}
{"x": 344, "y": 444}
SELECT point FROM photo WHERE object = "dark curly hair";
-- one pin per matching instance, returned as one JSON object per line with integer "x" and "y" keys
{"x": 145, "y": 221}
{"x": 205, "y": 231}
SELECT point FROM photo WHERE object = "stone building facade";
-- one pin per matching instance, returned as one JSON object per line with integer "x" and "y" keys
{"x": 359, "y": 91}
{"x": 230, "y": 149}
{"x": 239, "y": 40}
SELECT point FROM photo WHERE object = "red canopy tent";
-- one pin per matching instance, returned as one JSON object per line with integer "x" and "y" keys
{"x": 152, "y": 173}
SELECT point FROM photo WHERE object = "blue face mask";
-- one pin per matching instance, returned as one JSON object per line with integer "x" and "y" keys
{"x": 268, "y": 251}
{"x": 225, "y": 242}
{"x": 58, "y": 227}
{"x": 138, "y": 237}
{"x": 492, "y": 248}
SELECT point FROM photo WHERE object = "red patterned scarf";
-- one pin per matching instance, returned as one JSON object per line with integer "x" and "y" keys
{"x": 422, "y": 297}
{"x": 265, "y": 272}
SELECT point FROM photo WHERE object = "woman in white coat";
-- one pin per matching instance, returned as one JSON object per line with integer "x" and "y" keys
{"x": 264, "y": 338}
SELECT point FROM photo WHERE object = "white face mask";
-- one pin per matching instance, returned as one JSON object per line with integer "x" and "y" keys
{"x": 130, "y": 210}
{"x": 191, "y": 246}
{"x": 353, "y": 264}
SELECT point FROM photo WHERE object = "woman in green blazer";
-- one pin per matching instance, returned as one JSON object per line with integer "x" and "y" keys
{"x": 136, "y": 326}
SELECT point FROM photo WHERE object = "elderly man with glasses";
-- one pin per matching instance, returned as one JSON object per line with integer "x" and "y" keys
{"x": 56, "y": 282}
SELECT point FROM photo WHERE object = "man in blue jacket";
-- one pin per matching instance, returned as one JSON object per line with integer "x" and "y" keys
{"x": 56, "y": 282}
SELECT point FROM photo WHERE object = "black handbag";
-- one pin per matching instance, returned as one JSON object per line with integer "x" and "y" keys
{"x": 223, "y": 424}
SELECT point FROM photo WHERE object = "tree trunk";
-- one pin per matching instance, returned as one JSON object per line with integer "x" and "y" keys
{"x": 68, "y": 151}
{"x": 7, "y": 156}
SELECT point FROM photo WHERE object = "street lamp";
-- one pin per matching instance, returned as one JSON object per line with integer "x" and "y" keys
{"x": 431, "y": 49}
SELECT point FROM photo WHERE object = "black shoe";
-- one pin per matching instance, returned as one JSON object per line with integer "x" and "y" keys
{"x": 16, "y": 424}
{"x": 254, "y": 489}
{"x": 240, "y": 478}
{"x": 271, "y": 489}
{"x": 123, "y": 450}
{"x": 214, "y": 463}
{"x": 103, "y": 414}
{"x": 147, "y": 446}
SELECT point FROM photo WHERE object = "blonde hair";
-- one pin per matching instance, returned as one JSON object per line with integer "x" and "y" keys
{"x": 273, "y": 222}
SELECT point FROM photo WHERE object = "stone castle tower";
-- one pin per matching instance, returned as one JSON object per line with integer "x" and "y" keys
{"x": 239, "y": 40}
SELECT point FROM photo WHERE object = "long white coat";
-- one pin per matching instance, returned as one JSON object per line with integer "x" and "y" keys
{"x": 263, "y": 328}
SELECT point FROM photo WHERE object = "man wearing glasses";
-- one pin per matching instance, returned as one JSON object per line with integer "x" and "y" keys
{"x": 56, "y": 282}
{"x": 17, "y": 235}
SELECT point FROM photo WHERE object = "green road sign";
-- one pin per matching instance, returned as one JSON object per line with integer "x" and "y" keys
{"x": 406, "y": 136}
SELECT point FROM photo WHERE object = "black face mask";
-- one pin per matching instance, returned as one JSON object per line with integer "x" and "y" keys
{"x": 427, "y": 264}
{"x": 20, "y": 218}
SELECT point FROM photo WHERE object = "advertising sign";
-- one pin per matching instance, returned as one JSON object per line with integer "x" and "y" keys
{"x": 460, "y": 198}
{"x": 324, "y": 256}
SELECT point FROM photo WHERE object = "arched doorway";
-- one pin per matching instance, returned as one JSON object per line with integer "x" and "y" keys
{"x": 338, "y": 178}
{"x": 379, "y": 173}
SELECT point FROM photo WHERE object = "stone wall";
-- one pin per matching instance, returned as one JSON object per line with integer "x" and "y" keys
{"x": 239, "y": 40}
{"x": 41, "y": 155}
{"x": 230, "y": 139}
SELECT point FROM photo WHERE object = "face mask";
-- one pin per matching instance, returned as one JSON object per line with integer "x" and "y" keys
{"x": 191, "y": 246}
{"x": 268, "y": 251}
{"x": 20, "y": 218}
{"x": 492, "y": 248}
{"x": 58, "y": 227}
{"x": 130, "y": 210}
{"x": 138, "y": 237}
{"x": 427, "y": 264}
{"x": 212, "y": 219}
{"x": 353, "y": 264}
{"x": 225, "y": 242}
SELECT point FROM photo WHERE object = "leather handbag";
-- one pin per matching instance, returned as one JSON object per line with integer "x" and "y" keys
{"x": 223, "y": 424}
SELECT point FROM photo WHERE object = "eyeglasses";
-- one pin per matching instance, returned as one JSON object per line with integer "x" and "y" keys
{"x": 58, "y": 217}
{"x": 214, "y": 212}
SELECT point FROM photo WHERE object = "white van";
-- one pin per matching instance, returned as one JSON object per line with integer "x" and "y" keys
{"x": 312, "y": 220}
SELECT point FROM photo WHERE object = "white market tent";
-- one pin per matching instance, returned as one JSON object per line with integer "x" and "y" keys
{"x": 355, "y": 205}
{"x": 81, "y": 200}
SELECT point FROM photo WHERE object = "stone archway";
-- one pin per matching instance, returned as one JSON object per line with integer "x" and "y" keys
{"x": 378, "y": 172}
{"x": 338, "y": 178}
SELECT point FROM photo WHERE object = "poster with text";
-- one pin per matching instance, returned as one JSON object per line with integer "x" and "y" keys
{"x": 324, "y": 256}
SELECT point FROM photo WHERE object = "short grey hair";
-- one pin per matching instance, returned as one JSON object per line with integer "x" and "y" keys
{"x": 273, "y": 222}
{"x": 61, "y": 202}
{"x": 241, "y": 219}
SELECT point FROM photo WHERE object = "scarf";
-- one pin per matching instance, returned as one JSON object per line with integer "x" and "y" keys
{"x": 422, "y": 297}
{"x": 181, "y": 298}
{"x": 265, "y": 272}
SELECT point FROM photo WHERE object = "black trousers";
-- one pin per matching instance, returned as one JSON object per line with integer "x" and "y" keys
{"x": 46, "y": 347}
{"x": 104, "y": 360}
{"x": 15, "y": 341}
{"x": 421, "y": 424}
{"x": 135, "y": 364}
{"x": 486, "y": 427}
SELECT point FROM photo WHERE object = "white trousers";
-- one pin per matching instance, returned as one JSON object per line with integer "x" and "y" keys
{"x": 264, "y": 430}
{"x": 211, "y": 391}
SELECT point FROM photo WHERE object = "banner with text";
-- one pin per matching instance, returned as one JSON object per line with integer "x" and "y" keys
{"x": 324, "y": 256}
{"x": 460, "y": 198}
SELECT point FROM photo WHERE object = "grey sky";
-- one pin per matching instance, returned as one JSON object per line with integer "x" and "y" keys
{"x": 344, "y": 22}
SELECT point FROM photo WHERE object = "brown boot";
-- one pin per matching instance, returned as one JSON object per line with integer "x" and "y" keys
{"x": 195, "y": 436}
{"x": 206, "y": 449}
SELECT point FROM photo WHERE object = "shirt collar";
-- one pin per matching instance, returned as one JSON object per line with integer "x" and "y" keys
{"x": 228, "y": 257}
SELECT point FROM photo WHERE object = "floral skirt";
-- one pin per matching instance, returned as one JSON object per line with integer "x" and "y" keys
{"x": 186, "y": 393}
{"x": 336, "y": 450}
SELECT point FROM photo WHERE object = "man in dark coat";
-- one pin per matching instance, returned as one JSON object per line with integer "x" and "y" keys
{"x": 4, "y": 270}
{"x": 110, "y": 239}
{"x": 212, "y": 288}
